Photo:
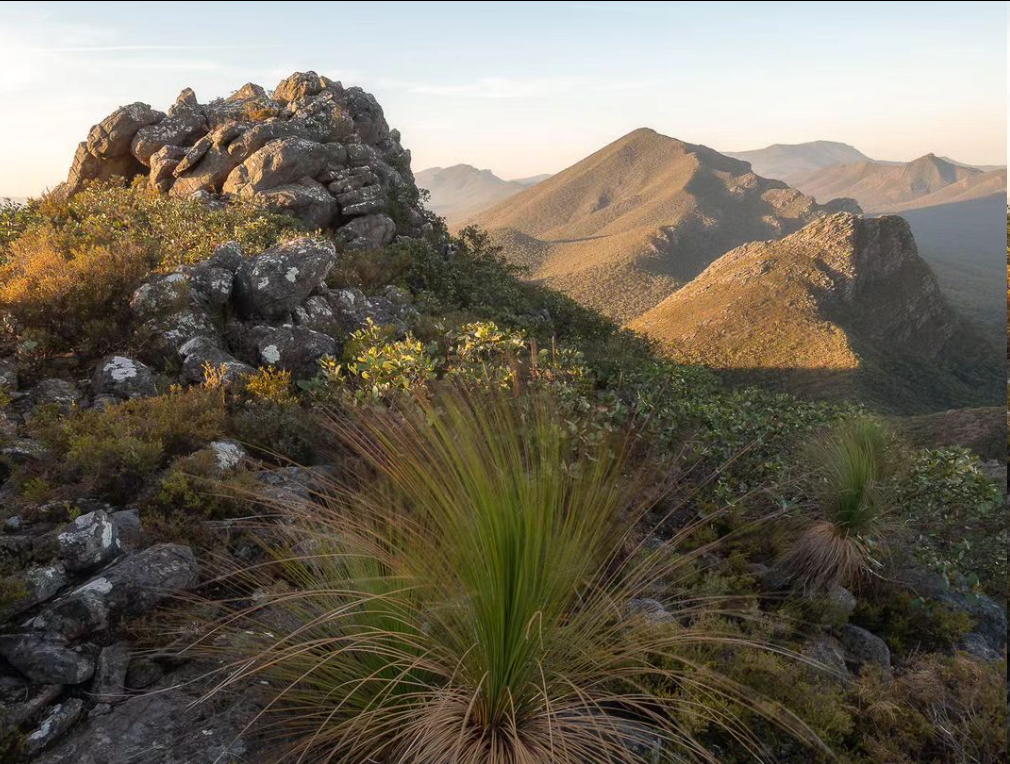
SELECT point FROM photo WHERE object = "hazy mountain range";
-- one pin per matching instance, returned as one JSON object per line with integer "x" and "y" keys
{"x": 461, "y": 191}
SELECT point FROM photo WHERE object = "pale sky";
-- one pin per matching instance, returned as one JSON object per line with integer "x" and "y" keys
{"x": 526, "y": 88}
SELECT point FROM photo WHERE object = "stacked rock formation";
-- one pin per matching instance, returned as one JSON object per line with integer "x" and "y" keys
{"x": 312, "y": 148}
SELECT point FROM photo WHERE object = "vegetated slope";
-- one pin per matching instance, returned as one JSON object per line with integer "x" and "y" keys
{"x": 461, "y": 191}
{"x": 844, "y": 308}
{"x": 782, "y": 160}
{"x": 623, "y": 228}
{"x": 879, "y": 187}
{"x": 982, "y": 430}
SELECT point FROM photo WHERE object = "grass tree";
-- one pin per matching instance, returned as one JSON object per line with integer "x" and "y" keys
{"x": 469, "y": 601}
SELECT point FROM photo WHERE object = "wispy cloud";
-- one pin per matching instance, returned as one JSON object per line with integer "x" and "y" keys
{"x": 511, "y": 88}
{"x": 136, "y": 48}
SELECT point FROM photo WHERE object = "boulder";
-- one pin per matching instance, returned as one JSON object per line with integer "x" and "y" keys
{"x": 307, "y": 200}
{"x": 278, "y": 163}
{"x": 58, "y": 721}
{"x": 863, "y": 648}
{"x": 88, "y": 541}
{"x": 59, "y": 393}
{"x": 128, "y": 529}
{"x": 26, "y": 590}
{"x": 367, "y": 232}
{"x": 202, "y": 353}
{"x": 299, "y": 86}
{"x": 123, "y": 377}
{"x": 86, "y": 167}
{"x": 163, "y": 164}
{"x": 273, "y": 284}
{"x": 826, "y": 656}
{"x": 113, "y": 136}
{"x": 228, "y": 455}
{"x": 163, "y": 338}
{"x": 208, "y": 175}
{"x": 20, "y": 702}
{"x": 293, "y": 348}
{"x": 160, "y": 296}
{"x": 109, "y": 683}
{"x": 46, "y": 660}
{"x": 258, "y": 136}
{"x": 210, "y": 284}
{"x": 183, "y": 125}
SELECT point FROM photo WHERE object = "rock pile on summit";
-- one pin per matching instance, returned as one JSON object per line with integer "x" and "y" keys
{"x": 312, "y": 148}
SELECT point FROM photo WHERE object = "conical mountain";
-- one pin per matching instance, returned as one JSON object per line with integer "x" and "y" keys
{"x": 630, "y": 224}
{"x": 844, "y": 308}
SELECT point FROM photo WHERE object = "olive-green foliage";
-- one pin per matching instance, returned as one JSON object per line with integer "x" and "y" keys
{"x": 910, "y": 624}
{"x": 112, "y": 451}
{"x": 957, "y": 516}
{"x": 68, "y": 268}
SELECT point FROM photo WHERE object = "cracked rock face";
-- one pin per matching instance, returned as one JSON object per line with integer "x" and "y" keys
{"x": 312, "y": 148}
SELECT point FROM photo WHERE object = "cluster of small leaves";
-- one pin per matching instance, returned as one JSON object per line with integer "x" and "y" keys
{"x": 959, "y": 516}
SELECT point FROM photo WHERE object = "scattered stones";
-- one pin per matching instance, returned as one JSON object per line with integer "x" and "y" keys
{"x": 123, "y": 377}
{"x": 863, "y": 648}
{"x": 276, "y": 282}
{"x": 89, "y": 541}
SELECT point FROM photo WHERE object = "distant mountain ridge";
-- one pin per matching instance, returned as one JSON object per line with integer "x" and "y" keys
{"x": 781, "y": 160}
{"x": 844, "y": 308}
{"x": 623, "y": 228}
{"x": 461, "y": 191}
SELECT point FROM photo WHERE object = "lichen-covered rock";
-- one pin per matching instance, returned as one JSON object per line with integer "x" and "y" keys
{"x": 31, "y": 588}
{"x": 20, "y": 702}
{"x": 44, "y": 659}
{"x": 207, "y": 174}
{"x": 273, "y": 284}
{"x": 278, "y": 163}
{"x": 163, "y": 338}
{"x": 368, "y": 232}
{"x": 123, "y": 377}
{"x": 163, "y": 164}
{"x": 211, "y": 285}
{"x": 182, "y": 125}
{"x": 88, "y": 541}
{"x": 160, "y": 295}
{"x": 202, "y": 353}
{"x": 113, "y": 136}
{"x": 58, "y": 393}
{"x": 228, "y": 455}
{"x": 57, "y": 722}
{"x": 294, "y": 348}
{"x": 307, "y": 200}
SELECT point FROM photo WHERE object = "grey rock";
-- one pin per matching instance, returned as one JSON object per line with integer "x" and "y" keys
{"x": 141, "y": 673}
{"x": 160, "y": 296}
{"x": 294, "y": 348}
{"x": 247, "y": 92}
{"x": 227, "y": 256}
{"x": 113, "y": 136}
{"x": 164, "y": 726}
{"x": 60, "y": 720}
{"x": 163, "y": 338}
{"x": 863, "y": 648}
{"x": 193, "y": 155}
{"x": 364, "y": 201}
{"x": 129, "y": 531}
{"x": 23, "y": 702}
{"x": 109, "y": 683}
{"x": 208, "y": 175}
{"x": 228, "y": 455}
{"x": 211, "y": 285}
{"x": 367, "y": 232}
{"x": 279, "y": 163}
{"x": 258, "y": 136}
{"x": 33, "y": 587}
{"x": 184, "y": 124}
{"x": 77, "y": 615}
{"x": 163, "y": 164}
{"x": 827, "y": 659}
{"x": 273, "y": 284}
{"x": 60, "y": 393}
{"x": 317, "y": 314}
{"x": 8, "y": 375}
{"x": 651, "y": 610}
{"x": 979, "y": 648}
{"x": 307, "y": 200}
{"x": 88, "y": 541}
{"x": 202, "y": 353}
{"x": 46, "y": 660}
{"x": 123, "y": 377}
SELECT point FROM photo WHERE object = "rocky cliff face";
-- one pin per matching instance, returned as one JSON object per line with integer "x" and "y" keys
{"x": 844, "y": 307}
{"x": 312, "y": 147}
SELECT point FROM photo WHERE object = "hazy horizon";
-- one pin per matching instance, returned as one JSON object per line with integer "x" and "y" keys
{"x": 528, "y": 88}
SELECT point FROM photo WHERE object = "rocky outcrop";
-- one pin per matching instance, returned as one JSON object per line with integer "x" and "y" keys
{"x": 313, "y": 148}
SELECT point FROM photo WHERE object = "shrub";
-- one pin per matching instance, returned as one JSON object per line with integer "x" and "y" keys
{"x": 113, "y": 450}
{"x": 68, "y": 267}
{"x": 469, "y": 604}
{"x": 271, "y": 385}
{"x": 852, "y": 468}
